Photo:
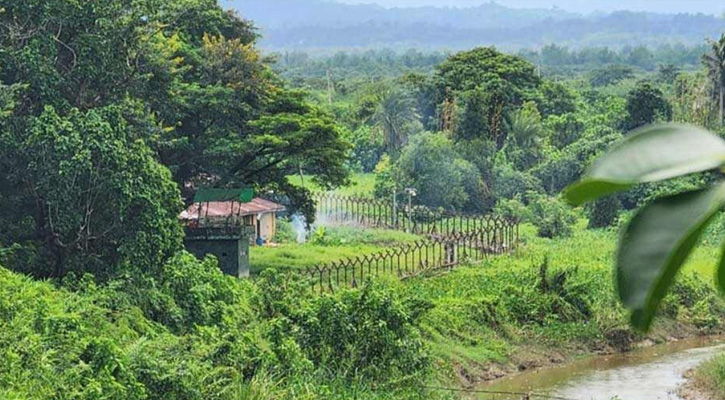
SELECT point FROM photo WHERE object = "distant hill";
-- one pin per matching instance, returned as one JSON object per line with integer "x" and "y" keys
{"x": 316, "y": 25}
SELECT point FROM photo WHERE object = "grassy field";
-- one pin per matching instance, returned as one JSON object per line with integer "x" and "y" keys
{"x": 330, "y": 244}
{"x": 361, "y": 185}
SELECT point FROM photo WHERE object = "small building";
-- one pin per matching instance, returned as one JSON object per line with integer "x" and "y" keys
{"x": 258, "y": 214}
{"x": 230, "y": 245}
{"x": 225, "y": 223}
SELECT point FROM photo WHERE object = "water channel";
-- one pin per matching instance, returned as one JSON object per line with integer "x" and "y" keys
{"x": 652, "y": 373}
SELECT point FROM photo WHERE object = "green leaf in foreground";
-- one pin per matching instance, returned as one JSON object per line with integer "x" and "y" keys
{"x": 650, "y": 154}
{"x": 656, "y": 243}
{"x": 721, "y": 272}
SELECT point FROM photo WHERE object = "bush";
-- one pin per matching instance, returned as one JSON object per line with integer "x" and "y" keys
{"x": 513, "y": 209}
{"x": 604, "y": 212}
{"x": 368, "y": 333}
{"x": 443, "y": 178}
{"x": 285, "y": 232}
{"x": 551, "y": 216}
{"x": 509, "y": 183}
{"x": 384, "y": 181}
{"x": 188, "y": 293}
{"x": 57, "y": 344}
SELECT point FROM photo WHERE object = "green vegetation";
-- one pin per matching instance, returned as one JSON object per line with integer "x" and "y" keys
{"x": 202, "y": 335}
{"x": 552, "y": 297}
{"x": 198, "y": 334}
{"x": 324, "y": 27}
{"x": 658, "y": 240}
{"x": 707, "y": 379}
{"x": 327, "y": 245}
{"x": 113, "y": 113}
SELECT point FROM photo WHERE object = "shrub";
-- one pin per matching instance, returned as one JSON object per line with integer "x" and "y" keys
{"x": 285, "y": 232}
{"x": 604, "y": 212}
{"x": 384, "y": 181}
{"x": 443, "y": 178}
{"x": 551, "y": 216}
{"x": 362, "y": 334}
{"x": 57, "y": 344}
{"x": 188, "y": 293}
{"x": 513, "y": 209}
{"x": 509, "y": 183}
{"x": 367, "y": 332}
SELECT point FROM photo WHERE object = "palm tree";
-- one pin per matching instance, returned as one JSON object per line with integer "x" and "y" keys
{"x": 525, "y": 138}
{"x": 715, "y": 63}
{"x": 395, "y": 116}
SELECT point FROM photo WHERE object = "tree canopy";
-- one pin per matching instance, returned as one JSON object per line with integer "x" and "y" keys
{"x": 84, "y": 193}
{"x": 124, "y": 90}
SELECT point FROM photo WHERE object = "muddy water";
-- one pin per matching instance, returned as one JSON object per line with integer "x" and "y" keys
{"x": 645, "y": 374}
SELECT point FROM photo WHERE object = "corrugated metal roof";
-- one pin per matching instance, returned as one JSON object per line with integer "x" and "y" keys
{"x": 226, "y": 209}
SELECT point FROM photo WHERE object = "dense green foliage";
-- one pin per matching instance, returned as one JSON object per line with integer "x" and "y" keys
{"x": 658, "y": 240}
{"x": 505, "y": 132}
{"x": 449, "y": 181}
{"x": 112, "y": 113}
{"x": 97, "y": 97}
{"x": 646, "y": 105}
{"x": 85, "y": 194}
{"x": 213, "y": 337}
{"x": 199, "y": 334}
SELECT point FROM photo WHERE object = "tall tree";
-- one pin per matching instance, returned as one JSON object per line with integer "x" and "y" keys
{"x": 715, "y": 63}
{"x": 82, "y": 192}
{"x": 473, "y": 69}
{"x": 94, "y": 93}
{"x": 395, "y": 116}
{"x": 646, "y": 104}
{"x": 193, "y": 64}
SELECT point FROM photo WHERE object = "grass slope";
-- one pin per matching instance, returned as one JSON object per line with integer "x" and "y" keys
{"x": 508, "y": 314}
{"x": 200, "y": 335}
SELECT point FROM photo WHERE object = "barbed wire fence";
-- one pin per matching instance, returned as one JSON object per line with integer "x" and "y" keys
{"x": 335, "y": 209}
{"x": 427, "y": 255}
{"x": 450, "y": 239}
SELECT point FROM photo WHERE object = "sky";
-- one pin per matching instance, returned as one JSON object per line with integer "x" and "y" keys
{"x": 716, "y": 7}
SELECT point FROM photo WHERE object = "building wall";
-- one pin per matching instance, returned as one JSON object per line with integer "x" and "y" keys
{"x": 268, "y": 226}
{"x": 232, "y": 253}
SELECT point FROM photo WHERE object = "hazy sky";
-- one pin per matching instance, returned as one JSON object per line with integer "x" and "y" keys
{"x": 583, "y": 6}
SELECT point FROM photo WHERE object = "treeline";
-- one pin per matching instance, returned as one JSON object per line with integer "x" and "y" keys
{"x": 556, "y": 59}
{"x": 325, "y": 26}
{"x": 299, "y": 67}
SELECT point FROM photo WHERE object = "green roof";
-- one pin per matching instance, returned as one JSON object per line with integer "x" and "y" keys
{"x": 206, "y": 195}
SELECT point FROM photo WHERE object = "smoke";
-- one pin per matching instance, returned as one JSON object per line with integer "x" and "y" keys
{"x": 299, "y": 224}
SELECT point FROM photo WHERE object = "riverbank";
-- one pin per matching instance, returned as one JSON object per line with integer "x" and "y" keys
{"x": 653, "y": 372}
{"x": 706, "y": 381}
{"x": 552, "y": 303}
